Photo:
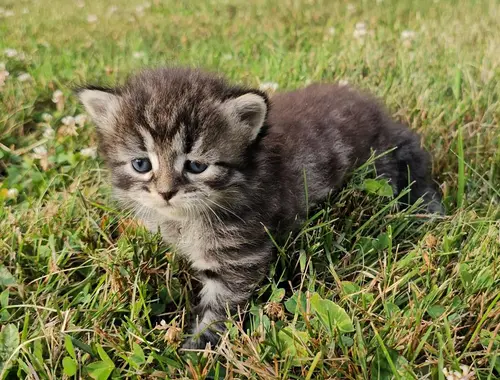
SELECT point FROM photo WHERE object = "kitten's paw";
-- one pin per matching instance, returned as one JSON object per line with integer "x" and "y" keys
{"x": 200, "y": 341}
{"x": 433, "y": 203}
{"x": 435, "y": 207}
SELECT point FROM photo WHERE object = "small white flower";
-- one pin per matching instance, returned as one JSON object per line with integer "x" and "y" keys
{"x": 91, "y": 19}
{"x": 58, "y": 99}
{"x": 268, "y": 86}
{"x": 408, "y": 35}
{"x": 68, "y": 120}
{"x": 464, "y": 374}
{"x": 24, "y": 77}
{"x": 465, "y": 370}
{"x": 57, "y": 96}
{"x": 360, "y": 25}
{"x": 112, "y": 9}
{"x": 47, "y": 117}
{"x": 49, "y": 133}
{"x": 90, "y": 152}
{"x": 40, "y": 150}
{"x": 10, "y": 53}
{"x": 138, "y": 54}
{"x": 12, "y": 193}
{"x": 331, "y": 31}
{"x": 343, "y": 82}
{"x": 360, "y": 30}
{"x": 139, "y": 10}
{"x": 80, "y": 119}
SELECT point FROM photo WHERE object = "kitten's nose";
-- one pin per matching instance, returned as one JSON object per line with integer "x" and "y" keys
{"x": 168, "y": 195}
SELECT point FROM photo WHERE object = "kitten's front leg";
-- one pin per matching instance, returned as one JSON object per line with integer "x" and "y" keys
{"x": 223, "y": 291}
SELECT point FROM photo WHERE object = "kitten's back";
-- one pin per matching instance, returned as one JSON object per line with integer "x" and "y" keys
{"x": 328, "y": 130}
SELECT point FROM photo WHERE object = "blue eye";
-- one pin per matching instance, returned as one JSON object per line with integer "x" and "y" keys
{"x": 195, "y": 167}
{"x": 141, "y": 165}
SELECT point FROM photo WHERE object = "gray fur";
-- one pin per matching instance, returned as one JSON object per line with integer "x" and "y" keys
{"x": 257, "y": 151}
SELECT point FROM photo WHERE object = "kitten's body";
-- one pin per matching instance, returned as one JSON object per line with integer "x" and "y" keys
{"x": 262, "y": 157}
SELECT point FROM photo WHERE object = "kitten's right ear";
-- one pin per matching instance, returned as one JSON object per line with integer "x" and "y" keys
{"x": 101, "y": 105}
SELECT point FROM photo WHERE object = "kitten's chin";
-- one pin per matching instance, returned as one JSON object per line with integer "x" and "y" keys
{"x": 173, "y": 213}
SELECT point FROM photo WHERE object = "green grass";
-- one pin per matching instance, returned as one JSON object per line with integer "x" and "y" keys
{"x": 361, "y": 292}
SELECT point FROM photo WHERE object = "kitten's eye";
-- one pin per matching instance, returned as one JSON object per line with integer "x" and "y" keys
{"x": 195, "y": 167}
{"x": 142, "y": 165}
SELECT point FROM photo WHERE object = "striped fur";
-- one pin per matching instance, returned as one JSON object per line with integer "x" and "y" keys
{"x": 257, "y": 151}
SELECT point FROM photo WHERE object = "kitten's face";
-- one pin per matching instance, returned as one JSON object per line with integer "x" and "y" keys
{"x": 174, "y": 144}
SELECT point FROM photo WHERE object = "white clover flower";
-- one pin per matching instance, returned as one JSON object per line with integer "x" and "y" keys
{"x": 91, "y": 19}
{"x": 465, "y": 373}
{"x": 58, "y": 99}
{"x": 12, "y": 193}
{"x": 331, "y": 31}
{"x": 49, "y": 133}
{"x": 68, "y": 120}
{"x": 47, "y": 117}
{"x": 268, "y": 86}
{"x": 40, "y": 150}
{"x": 112, "y": 9}
{"x": 360, "y": 30}
{"x": 24, "y": 77}
{"x": 10, "y": 53}
{"x": 139, "y": 10}
{"x": 90, "y": 152}
{"x": 408, "y": 35}
{"x": 138, "y": 54}
{"x": 57, "y": 96}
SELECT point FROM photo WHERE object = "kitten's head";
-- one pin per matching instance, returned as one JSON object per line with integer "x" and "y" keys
{"x": 177, "y": 141}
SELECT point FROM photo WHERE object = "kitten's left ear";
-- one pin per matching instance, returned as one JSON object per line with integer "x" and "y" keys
{"x": 250, "y": 110}
{"x": 102, "y": 105}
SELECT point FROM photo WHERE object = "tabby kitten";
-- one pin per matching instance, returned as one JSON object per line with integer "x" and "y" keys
{"x": 211, "y": 165}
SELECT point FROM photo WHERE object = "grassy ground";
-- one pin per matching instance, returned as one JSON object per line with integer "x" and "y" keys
{"x": 362, "y": 292}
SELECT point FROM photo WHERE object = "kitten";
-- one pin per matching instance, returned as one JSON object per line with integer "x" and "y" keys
{"x": 211, "y": 164}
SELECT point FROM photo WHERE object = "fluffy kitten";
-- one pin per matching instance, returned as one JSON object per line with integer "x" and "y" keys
{"x": 211, "y": 164}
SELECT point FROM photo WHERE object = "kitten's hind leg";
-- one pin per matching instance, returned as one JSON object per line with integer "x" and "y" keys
{"x": 410, "y": 164}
